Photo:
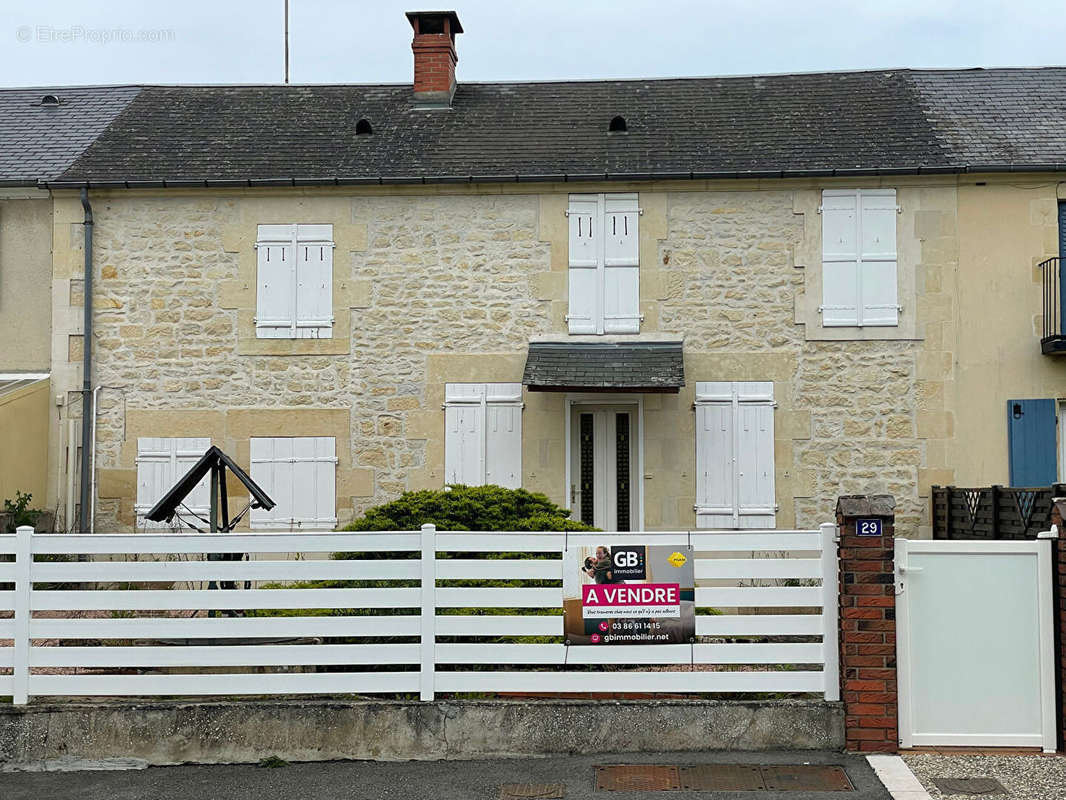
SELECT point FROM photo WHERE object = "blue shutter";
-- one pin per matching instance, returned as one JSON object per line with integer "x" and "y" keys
{"x": 1032, "y": 442}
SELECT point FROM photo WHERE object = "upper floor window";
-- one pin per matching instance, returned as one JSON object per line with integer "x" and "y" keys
{"x": 294, "y": 282}
{"x": 604, "y": 264}
{"x": 859, "y": 274}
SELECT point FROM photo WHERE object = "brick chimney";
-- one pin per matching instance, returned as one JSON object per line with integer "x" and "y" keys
{"x": 435, "y": 58}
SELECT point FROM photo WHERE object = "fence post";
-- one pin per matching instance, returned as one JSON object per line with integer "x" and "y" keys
{"x": 20, "y": 692}
{"x": 868, "y": 624}
{"x": 830, "y": 611}
{"x": 1058, "y": 564}
{"x": 429, "y": 611}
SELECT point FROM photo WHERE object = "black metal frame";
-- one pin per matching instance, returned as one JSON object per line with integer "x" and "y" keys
{"x": 1053, "y": 338}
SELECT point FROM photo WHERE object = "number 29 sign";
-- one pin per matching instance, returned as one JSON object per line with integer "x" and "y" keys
{"x": 868, "y": 527}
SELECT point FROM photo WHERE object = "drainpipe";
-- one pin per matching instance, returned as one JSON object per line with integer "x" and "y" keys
{"x": 88, "y": 410}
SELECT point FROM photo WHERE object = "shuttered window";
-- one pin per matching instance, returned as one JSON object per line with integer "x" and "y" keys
{"x": 604, "y": 259}
{"x": 483, "y": 434}
{"x": 300, "y": 475}
{"x": 859, "y": 274}
{"x": 1031, "y": 441}
{"x": 294, "y": 282}
{"x": 735, "y": 455}
{"x": 161, "y": 463}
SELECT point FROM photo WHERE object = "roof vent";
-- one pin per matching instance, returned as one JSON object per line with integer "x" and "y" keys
{"x": 617, "y": 124}
{"x": 51, "y": 100}
{"x": 362, "y": 127}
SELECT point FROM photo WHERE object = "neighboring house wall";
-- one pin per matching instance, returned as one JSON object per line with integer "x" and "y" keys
{"x": 1005, "y": 230}
{"x": 24, "y": 433}
{"x": 25, "y": 290}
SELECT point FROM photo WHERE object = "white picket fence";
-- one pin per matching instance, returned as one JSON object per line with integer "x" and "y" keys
{"x": 736, "y": 563}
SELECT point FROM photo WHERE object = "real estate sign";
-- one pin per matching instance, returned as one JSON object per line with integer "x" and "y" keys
{"x": 628, "y": 594}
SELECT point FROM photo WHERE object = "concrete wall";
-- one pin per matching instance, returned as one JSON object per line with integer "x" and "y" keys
{"x": 323, "y": 730}
{"x": 24, "y": 437}
{"x": 25, "y": 289}
{"x": 441, "y": 284}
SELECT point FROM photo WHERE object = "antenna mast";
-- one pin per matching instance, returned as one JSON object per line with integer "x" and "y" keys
{"x": 286, "y": 41}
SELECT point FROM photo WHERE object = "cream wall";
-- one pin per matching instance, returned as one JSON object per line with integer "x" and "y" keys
{"x": 25, "y": 269}
{"x": 449, "y": 284}
{"x": 24, "y": 432}
{"x": 1006, "y": 228}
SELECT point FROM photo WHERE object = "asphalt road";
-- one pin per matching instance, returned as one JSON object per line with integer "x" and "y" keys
{"x": 408, "y": 780}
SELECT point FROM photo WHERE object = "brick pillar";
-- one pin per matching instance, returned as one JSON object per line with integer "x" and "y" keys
{"x": 868, "y": 624}
{"x": 1058, "y": 558}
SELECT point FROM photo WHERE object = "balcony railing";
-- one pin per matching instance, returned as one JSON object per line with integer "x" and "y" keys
{"x": 1053, "y": 340}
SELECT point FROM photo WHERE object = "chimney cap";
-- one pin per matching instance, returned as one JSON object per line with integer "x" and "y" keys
{"x": 455, "y": 27}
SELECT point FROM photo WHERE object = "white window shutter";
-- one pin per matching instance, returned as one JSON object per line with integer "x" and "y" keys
{"x": 735, "y": 455}
{"x": 161, "y": 463}
{"x": 186, "y": 453}
{"x": 464, "y": 436}
{"x": 153, "y": 466}
{"x": 877, "y": 275}
{"x": 503, "y": 435}
{"x": 621, "y": 279}
{"x": 715, "y": 466}
{"x": 314, "y": 282}
{"x": 275, "y": 298}
{"x": 756, "y": 492}
{"x": 299, "y": 475}
{"x": 271, "y": 468}
{"x": 585, "y": 220}
{"x": 840, "y": 258}
{"x": 314, "y": 483}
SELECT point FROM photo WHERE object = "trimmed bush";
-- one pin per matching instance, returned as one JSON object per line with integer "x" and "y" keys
{"x": 469, "y": 508}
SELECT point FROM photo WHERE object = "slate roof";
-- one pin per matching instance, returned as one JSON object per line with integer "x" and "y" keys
{"x": 883, "y": 121}
{"x": 812, "y": 124}
{"x": 635, "y": 367}
{"x": 39, "y": 142}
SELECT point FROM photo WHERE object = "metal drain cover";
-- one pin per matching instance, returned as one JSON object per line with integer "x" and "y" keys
{"x": 969, "y": 786}
{"x": 531, "y": 791}
{"x": 721, "y": 778}
{"x": 637, "y": 778}
{"x": 806, "y": 778}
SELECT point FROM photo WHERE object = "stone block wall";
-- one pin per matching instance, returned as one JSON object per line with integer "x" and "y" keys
{"x": 433, "y": 287}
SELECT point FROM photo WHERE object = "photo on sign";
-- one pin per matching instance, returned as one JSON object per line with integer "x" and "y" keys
{"x": 628, "y": 594}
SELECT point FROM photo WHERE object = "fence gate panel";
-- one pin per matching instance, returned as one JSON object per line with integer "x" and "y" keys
{"x": 976, "y": 643}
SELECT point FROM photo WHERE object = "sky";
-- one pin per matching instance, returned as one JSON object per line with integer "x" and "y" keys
{"x": 61, "y": 42}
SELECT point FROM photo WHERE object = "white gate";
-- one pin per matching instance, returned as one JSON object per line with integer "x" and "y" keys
{"x": 976, "y": 643}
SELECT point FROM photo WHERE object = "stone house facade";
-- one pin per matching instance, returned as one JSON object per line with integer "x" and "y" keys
{"x": 796, "y": 321}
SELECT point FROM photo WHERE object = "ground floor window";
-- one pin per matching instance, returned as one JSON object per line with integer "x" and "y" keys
{"x": 483, "y": 434}
{"x": 161, "y": 463}
{"x": 300, "y": 475}
{"x": 735, "y": 455}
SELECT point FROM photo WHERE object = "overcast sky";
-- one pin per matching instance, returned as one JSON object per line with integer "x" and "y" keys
{"x": 57, "y": 42}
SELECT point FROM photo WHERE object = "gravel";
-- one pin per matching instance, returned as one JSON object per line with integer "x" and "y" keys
{"x": 1024, "y": 777}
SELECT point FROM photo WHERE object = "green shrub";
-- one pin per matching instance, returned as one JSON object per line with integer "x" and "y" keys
{"x": 20, "y": 512}
{"x": 469, "y": 508}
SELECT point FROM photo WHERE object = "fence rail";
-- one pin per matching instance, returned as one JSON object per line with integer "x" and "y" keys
{"x": 130, "y": 620}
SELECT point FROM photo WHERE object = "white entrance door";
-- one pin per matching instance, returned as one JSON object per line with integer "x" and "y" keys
{"x": 603, "y": 462}
{"x": 975, "y": 643}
